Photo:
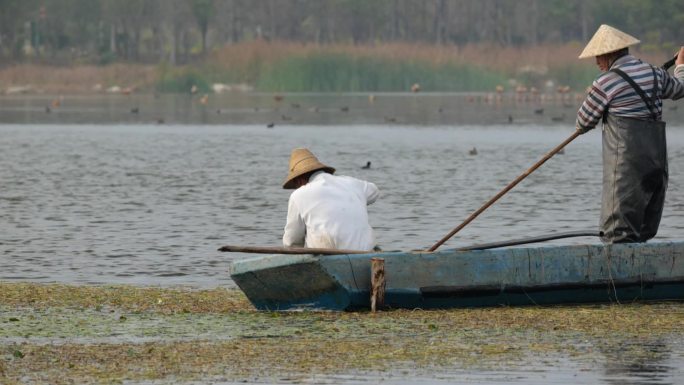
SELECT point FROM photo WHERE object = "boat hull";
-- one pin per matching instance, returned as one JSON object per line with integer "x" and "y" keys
{"x": 451, "y": 278}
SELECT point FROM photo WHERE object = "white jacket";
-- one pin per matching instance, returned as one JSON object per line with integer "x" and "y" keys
{"x": 330, "y": 212}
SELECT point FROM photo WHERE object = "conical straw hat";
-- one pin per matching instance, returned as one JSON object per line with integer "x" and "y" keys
{"x": 607, "y": 39}
{"x": 301, "y": 162}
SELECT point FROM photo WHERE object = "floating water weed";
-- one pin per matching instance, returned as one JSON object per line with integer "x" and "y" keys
{"x": 224, "y": 337}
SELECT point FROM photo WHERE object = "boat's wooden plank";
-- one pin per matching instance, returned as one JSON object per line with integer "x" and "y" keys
{"x": 452, "y": 278}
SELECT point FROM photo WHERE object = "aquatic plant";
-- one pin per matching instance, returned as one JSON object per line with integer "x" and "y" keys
{"x": 109, "y": 334}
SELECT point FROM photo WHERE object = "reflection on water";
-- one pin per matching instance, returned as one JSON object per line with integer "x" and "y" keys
{"x": 641, "y": 362}
{"x": 151, "y": 204}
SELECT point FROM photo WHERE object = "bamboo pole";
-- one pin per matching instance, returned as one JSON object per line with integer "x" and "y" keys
{"x": 288, "y": 250}
{"x": 377, "y": 283}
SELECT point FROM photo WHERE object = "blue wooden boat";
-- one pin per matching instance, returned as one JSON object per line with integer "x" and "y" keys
{"x": 476, "y": 278}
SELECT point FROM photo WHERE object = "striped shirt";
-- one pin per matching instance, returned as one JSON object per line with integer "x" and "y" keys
{"x": 610, "y": 91}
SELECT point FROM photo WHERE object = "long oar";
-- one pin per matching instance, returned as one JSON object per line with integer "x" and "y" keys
{"x": 288, "y": 250}
{"x": 505, "y": 190}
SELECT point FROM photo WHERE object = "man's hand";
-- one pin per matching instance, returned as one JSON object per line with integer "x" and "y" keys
{"x": 680, "y": 57}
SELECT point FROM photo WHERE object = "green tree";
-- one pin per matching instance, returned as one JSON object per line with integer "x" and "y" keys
{"x": 203, "y": 11}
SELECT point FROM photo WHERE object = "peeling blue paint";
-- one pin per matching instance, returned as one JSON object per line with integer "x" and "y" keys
{"x": 450, "y": 278}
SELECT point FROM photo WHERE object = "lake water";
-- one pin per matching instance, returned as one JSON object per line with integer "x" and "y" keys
{"x": 149, "y": 204}
{"x": 143, "y": 190}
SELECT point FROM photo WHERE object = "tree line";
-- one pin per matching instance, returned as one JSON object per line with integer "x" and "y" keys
{"x": 178, "y": 31}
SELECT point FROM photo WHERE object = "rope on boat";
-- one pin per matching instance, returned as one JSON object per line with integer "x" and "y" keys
{"x": 541, "y": 238}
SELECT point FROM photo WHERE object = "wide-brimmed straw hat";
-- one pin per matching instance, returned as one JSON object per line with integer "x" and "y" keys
{"x": 606, "y": 40}
{"x": 303, "y": 161}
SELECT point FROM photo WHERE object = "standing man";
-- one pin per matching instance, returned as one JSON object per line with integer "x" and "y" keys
{"x": 326, "y": 211}
{"x": 627, "y": 96}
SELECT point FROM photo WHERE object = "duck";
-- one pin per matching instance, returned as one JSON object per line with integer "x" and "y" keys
{"x": 367, "y": 166}
{"x": 473, "y": 151}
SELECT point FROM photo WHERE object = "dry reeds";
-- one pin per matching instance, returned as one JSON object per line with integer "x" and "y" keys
{"x": 495, "y": 57}
{"x": 289, "y": 66}
{"x": 78, "y": 79}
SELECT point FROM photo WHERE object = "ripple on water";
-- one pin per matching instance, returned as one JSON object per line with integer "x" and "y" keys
{"x": 134, "y": 196}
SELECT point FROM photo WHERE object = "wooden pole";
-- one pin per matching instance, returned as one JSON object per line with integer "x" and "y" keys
{"x": 377, "y": 283}
{"x": 505, "y": 190}
{"x": 288, "y": 250}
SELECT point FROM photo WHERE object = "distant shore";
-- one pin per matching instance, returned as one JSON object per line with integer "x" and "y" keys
{"x": 290, "y": 67}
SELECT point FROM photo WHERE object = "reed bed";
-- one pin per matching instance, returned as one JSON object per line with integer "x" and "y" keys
{"x": 78, "y": 79}
{"x": 293, "y": 67}
{"x": 90, "y": 334}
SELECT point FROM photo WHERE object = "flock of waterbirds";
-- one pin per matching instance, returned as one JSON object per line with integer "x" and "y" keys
{"x": 288, "y": 111}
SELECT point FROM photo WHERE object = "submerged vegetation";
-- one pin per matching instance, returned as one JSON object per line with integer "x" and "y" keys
{"x": 65, "y": 334}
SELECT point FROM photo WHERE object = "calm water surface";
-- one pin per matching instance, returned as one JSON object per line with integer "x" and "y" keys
{"x": 148, "y": 204}
{"x": 86, "y": 200}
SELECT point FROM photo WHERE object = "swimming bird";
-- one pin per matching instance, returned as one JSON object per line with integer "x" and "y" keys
{"x": 473, "y": 151}
{"x": 344, "y": 109}
{"x": 539, "y": 111}
{"x": 270, "y": 125}
{"x": 135, "y": 110}
{"x": 367, "y": 166}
